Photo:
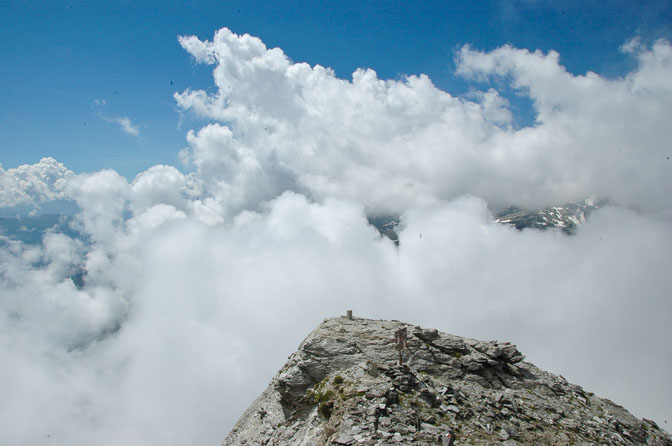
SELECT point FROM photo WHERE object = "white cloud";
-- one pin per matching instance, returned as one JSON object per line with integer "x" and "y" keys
{"x": 124, "y": 122}
{"x": 593, "y": 135}
{"x": 328, "y": 136}
{"x": 32, "y": 184}
{"x": 159, "y": 184}
{"x": 198, "y": 285}
{"x": 127, "y": 126}
{"x": 102, "y": 198}
{"x": 206, "y": 314}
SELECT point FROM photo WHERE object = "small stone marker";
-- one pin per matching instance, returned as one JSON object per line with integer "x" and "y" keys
{"x": 401, "y": 341}
{"x": 350, "y": 314}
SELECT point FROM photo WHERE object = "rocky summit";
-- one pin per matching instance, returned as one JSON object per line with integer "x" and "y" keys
{"x": 357, "y": 381}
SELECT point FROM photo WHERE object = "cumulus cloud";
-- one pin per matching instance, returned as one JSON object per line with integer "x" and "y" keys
{"x": 32, "y": 184}
{"x": 593, "y": 135}
{"x": 198, "y": 285}
{"x": 327, "y": 136}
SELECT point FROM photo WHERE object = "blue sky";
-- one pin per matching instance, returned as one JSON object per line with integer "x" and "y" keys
{"x": 71, "y": 68}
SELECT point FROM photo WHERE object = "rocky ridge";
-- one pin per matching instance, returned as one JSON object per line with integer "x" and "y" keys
{"x": 566, "y": 218}
{"x": 344, "y": 386}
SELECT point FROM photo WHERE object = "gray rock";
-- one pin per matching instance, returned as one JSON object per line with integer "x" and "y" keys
{"x": 484, "y": 392}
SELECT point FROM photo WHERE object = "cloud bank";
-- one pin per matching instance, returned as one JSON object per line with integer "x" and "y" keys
{"x": 199, "y": 284}
{"x": 391, "y": 144}
{"x": 32, "y": 184}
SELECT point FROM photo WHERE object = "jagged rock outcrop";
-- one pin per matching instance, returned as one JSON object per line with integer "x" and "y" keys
{"x": 567, "y": 218}
{"x": 344, "y": 386}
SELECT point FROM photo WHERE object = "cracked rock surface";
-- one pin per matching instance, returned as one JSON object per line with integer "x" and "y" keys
{"x": 344, "y": 386}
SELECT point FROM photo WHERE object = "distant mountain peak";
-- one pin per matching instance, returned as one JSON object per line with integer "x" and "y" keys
{"x": 567, "y": 218}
